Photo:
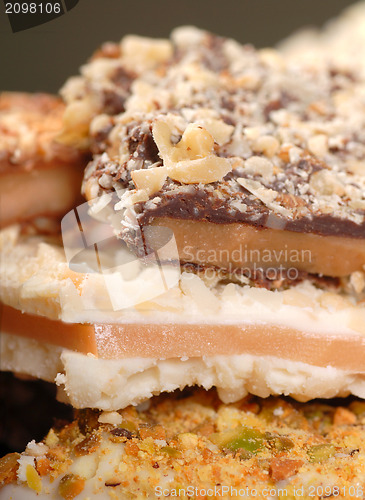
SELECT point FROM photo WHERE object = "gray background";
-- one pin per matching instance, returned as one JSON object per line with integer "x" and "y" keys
{"x": 41, "y": 58}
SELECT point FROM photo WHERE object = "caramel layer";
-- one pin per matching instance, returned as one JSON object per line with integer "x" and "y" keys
{"x": 77, "y": 337}
{"x": 47, "y": 189}
{"x": 239, "y": 245}
{"x": 113, "y": 341}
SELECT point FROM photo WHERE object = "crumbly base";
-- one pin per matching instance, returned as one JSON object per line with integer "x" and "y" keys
{"x": 88, "y": 382}
{"x": 271, "y": 448}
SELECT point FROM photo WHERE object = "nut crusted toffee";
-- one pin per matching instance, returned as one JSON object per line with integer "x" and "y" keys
{"x": 219, "y": 133}
{"x": 38, "y": 176}
{"x": 190, "y": 444}
{"x": 106, "y": 82}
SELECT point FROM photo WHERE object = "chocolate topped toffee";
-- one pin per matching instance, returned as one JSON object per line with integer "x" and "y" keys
{"x": 216, "y": 133}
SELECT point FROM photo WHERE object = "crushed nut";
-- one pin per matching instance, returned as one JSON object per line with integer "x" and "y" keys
{"x": 266, "y": 144}
{"x": 88, "y": 445}
{"x": 204, "y": 170}
{"x": 43, "y": 465}
{"x": 110, "y": 417}
{"x": 357, "y": 280}
{"x": 150, "y": 179}
{"x": 33, "y": 480}
{"x": 144, "y": 52}
{"x": 188, "y": 440}
{"x": 70, "y": 486}
{"x": 220, "y": 131}
{"x": 257, "y": 165}
{"x": 131, "y": 448}
{"x": 318, "y": 145}
{"x": 324, "y": 183}
{"x": 282, "y": 468}
{"x": 156, "y": 432}
{"x": 8, "y": 468}
{"x": 343, "y": 416}
{"x": 192, "y": 160}
{"x": 133, "y": 197}
{"x": 51, "y": 438}
{"x": 267, "y": 196}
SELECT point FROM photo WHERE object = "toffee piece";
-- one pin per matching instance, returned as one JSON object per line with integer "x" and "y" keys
{"x": 239, "y": 141}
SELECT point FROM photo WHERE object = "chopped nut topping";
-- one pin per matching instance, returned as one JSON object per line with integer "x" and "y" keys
{"x": 29, "y": 126}
{"x": 44, "y": 466}
{"x": 266, "y": 144}
{"x": 343, "y": 416}
{"x": 192, "y": 160}
{"x": 8, "y": 468}
{"x": 142, "y": 53}
{"x": 257, "y": 165}
{"x": 324, "y": 183}
{"x": 357, "y": 280}
{"x": 87, "y": 445}
{"x": 33, "y": 479}
{"x": 214, "y": 111}
{"x": 282, "y": 468}
{"x": 151, "y": 180}
{"x": 193, "y": 438}
{"x": 318, "y": 145}
{"x": 70, "y": 486}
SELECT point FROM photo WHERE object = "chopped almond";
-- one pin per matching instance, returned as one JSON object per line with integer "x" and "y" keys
{"x": 88, "y": 445}
{"x": 8, "y": 468}
{"x": 70, "y": 486}
{"x": 156, "y": 432}
{"x": 131, "y": 448}
{"x": 44, "y": 466}
{"x": 282, "y": 468}
{"x": 343, "y": 416}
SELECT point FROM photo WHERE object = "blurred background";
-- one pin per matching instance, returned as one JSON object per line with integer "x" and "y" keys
{"x": 41, "y": 58}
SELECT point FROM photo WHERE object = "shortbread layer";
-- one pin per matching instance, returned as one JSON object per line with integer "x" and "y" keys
{"x": 89, "y": 382}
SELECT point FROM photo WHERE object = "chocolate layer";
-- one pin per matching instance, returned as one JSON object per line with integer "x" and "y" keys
{"x": 202, "y": 205}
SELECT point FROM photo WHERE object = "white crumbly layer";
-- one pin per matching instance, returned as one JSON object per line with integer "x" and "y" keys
{"x": 29, "y": 357}
{"x": 88, "y": 382}
{"x": 35, "y": 278}
{"x": 96, "y": 382}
